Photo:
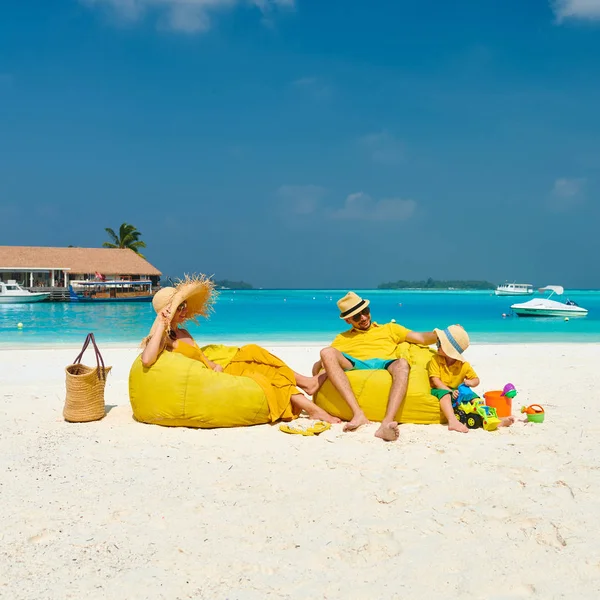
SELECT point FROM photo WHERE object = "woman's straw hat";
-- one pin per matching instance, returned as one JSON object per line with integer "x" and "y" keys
{"x": 350, "y": 305}
{"x": 454, "y": 340}
{"x": 198, "y": 291}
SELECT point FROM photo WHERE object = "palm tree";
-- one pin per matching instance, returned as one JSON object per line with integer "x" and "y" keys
{"x": 128, "y": 238}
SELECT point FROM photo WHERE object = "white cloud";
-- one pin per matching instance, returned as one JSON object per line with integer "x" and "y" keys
{"x": 361, "y": 207}
{"x": 383, "y": 148}
{"x": 576, "y": 9}
{"x": 188, "y": 16}
{"x": 300, "y": 199}
{"x": 567, "y": 194}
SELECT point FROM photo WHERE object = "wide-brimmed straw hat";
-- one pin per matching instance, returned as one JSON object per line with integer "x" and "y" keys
{"x": 454, "y": 340}
{"x": 197, "y": 291}
{"x": 351, "y": 304}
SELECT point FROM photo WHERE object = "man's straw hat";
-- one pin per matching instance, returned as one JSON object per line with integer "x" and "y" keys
{"x": 350, "y": 305}
{"x": 198, "y": 291}
{"x": 454, "y": 340}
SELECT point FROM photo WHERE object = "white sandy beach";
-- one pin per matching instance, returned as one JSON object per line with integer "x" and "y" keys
{"x": 118, "y": 509}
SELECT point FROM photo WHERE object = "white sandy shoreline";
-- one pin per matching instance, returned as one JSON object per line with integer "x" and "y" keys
{"x": 312, "y": 343}
{"x": 118, "y": 509}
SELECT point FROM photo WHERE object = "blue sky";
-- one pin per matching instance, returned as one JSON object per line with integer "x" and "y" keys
{"x": 305, "y": 143}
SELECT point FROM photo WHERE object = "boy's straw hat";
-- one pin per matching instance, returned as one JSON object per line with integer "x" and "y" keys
{"x": 454, "y": 340}
{"x": 350, "y": 305}
{"x": 198, "y": 291}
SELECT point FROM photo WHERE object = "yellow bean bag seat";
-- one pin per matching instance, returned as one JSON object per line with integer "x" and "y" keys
{"x": 372, "y": 389}
{"x": 177, "y": 391}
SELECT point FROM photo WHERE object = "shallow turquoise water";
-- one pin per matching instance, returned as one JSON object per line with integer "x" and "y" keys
{"x": 299, "y": 315}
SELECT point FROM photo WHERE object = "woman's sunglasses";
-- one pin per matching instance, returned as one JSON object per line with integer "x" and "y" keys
{"x": 365, "y": 311}
{"x": 182, "y": 306}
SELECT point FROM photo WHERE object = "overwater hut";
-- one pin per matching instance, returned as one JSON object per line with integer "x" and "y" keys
{"x": 42, "y": 267}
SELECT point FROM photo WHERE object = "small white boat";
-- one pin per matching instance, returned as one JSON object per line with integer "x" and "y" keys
{"x": 514, "y": 289}
{"x": 544, "y": 307}
{"x": 12, "y": 293}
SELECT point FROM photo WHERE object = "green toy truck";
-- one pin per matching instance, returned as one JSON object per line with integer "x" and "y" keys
{"x": 475, "y": 414}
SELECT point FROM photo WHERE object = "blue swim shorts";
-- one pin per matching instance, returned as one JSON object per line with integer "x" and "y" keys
{"x": 369, "y": 364}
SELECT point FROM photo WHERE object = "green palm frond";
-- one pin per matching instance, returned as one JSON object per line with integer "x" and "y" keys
{"x": 129, "y": 237}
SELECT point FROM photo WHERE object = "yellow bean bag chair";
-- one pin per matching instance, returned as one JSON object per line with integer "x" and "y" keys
{"x": 181, "y": 392}
{"x": 372, "y": 389}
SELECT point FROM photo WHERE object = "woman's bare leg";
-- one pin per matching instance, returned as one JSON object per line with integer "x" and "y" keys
{"x": 301, "y": 402}
{"x": 311, "y": 385}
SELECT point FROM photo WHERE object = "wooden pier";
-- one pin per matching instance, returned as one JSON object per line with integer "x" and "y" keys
{"x": 57, "y": 294}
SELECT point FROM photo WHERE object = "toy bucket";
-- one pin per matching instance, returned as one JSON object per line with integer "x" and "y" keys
{"x": 502, "y": 404}
{"x": 535, "y": 413}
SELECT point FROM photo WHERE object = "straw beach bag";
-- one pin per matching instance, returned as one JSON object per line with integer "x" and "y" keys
{"x": 85, "y": 387}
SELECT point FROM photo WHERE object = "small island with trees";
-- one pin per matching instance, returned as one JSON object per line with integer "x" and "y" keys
{"x": 437, "y": 284}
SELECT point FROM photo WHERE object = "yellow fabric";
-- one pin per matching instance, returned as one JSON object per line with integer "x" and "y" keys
{"x": 372, "y": 388}
{"x": 219, "y": 354}
{"x": 451, "y": 375}
{"x": 272, "y": 374}
{"x": 379, "y": 341}
{"x": 192, "y": 352}
{"x": 179, "y": 392}
{"x": 274, "y": 377}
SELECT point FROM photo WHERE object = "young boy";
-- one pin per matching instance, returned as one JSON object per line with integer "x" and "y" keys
{"x": 448, "y": 370}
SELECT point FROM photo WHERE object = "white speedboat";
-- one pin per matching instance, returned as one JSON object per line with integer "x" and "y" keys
{"x": 12, "y": 293}
{"x": 544, "y": 307}
{"x": 514, "y": 289}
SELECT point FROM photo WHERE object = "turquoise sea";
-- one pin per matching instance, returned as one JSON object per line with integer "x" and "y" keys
{"x": 286, "y": 316}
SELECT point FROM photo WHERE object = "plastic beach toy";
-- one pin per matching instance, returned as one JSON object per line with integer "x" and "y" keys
{"x": 535, "y": 413}
{"x": 496, "y": 399}
{"x": 305, "y": 427}
{"x": 509, "y": 390}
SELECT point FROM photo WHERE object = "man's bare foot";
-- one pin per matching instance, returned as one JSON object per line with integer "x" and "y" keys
{"x": 506, "y": 421}
{"x": 316, "y": 412}
{"x": 456, "y": 425}
{"x": 388, "y": 431}
{"x": 356, "y": 422}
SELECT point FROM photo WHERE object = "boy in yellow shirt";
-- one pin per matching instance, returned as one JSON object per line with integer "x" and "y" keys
{"x": 448, "y": 370}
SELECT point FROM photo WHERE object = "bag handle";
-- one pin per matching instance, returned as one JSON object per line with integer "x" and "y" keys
{"x": 99, "y": 360}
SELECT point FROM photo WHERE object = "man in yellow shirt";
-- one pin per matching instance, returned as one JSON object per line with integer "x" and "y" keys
{"x": 368, "y": 345}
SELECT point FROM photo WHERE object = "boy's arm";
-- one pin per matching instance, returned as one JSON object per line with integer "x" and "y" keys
{"x": 471, "y": 380}
{"x": 438, "y": 384}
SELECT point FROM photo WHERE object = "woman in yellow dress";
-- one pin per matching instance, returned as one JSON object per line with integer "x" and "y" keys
{"x": 194, "y": 297}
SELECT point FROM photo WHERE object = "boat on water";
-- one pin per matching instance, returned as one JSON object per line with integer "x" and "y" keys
{"x": 545, "y": 307}
{"x": 111, "y": 291}
{"x": 12, "y": 293}
{"x": 514, "y": 289}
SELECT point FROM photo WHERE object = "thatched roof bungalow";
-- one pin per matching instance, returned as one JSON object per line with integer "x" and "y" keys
{"x": 41, "y": 266}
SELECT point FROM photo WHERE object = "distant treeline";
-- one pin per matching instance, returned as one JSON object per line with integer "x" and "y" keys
{"x": 233, "y": 285}
{"x": 437, "y": 284}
